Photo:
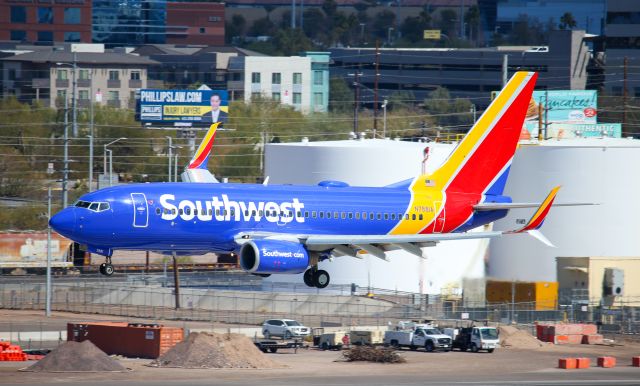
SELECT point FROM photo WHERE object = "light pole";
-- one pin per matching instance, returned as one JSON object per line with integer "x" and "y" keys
{"x": 384, "y": 119}
{"x": 47, "y": 311}
{"x": 90, "y": 162}
{"x": 175, "y": 167}
{"x": 65, "y": 171}
{"x": 110, "y": 160}
{"x": 170, "y": 149}
{"x": 389, "y": 35}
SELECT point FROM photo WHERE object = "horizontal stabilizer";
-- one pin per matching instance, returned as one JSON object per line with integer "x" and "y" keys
{"x": 535, "y": 222}
{"x": 486, "y": 206}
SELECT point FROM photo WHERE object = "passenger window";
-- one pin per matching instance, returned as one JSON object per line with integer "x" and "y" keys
{"x": 328, "y": 214}
{"x": 210, "y": 212}
{"x": 253, "y": 213}
{"x": 321, "y": 215}
{"x": 306, "y": 214}
{"x": 157, "y": 210}
{"x": 406, "y": 216}
{"x": 224, "y": 212}
{"x": 364, "y": 215}
{"x": 217, "y": 212}
{"x": 173, "y": 211}
{"x": 393, "y": 216}
{"x": 386, "y": 216}
{"x": 335, "y": 215}
{"x": 180, "y": 211}
{"x": 371, "y": 216}
{"x": 187, "y": 211}
{"x": 94, "y": 206}
{"x": 379, "y": 216}
{"x": 246, "y": 212}
{"x": 195, "y": 212}
{"x": 291, "y": 213}
{"x": 357, "y": 215}
{"x": 260, "y": 213}
{"x": 413, "y": 216}
{"x": 344, "y": 215}
{"x": 313, "y": 214}
{"x": 233, "y": 213}
{"x": 420, "y": 216}
{"x": 298, "y": 214}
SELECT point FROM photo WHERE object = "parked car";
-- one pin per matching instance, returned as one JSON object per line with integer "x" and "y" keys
{"x": 285, "y": 328}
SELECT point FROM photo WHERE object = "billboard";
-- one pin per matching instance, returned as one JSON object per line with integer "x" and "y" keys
{"x": 183, "y": 108}
{"x": 584, "y": 130}
{"x": 562, "y": 106}
{"x": 30, "y": 249}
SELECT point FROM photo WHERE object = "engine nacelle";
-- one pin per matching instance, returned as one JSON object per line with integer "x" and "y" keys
{"x": 273, "y": 256}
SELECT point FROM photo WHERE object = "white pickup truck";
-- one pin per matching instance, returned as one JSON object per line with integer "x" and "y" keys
{"x": 425, "y": 336}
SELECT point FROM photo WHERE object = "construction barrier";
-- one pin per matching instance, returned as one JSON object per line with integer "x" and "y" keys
{"x": 635, "y": 361}
{"x": 11, "y": 353}
{"x": 606, "y": 362}
{"x": 583, "y": 363}
{"x": 568, "y": 333}
{"x": 567, "y": 363}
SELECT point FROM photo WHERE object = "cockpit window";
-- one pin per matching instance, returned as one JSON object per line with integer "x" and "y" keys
{"x": 93, "y": 206}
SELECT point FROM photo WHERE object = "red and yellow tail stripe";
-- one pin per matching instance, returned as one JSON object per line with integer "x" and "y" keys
{"x": 538, "y": 218}
{"x": 201, "y": 155}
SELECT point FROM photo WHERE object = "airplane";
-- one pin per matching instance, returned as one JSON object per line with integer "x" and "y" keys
{"x": 288, "y": 229}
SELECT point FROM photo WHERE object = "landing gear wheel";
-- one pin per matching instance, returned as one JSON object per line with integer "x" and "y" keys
{"x": 102, "y": 268}
{"x": 321, "y": 278}
{"x": 308, "y": 278}
{"x": 108, "y": 270}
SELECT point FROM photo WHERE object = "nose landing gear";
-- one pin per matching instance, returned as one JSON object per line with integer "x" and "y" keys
{"x": 314, "y": 277}
{"x": 106, "y": 268}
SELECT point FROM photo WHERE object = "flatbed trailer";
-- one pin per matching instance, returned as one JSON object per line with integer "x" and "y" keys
{"x": 272, "y": 345}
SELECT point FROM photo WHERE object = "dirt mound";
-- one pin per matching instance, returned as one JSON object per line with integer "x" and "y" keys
{"x": 76, "y": 357}
{"x": 203, "y": 350}
{"x": 512, "y": 337}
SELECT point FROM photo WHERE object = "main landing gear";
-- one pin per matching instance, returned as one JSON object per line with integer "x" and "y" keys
{"x": 106, "y": 268}
{"x": 314, "y": 277}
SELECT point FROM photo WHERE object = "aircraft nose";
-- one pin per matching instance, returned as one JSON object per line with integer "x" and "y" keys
{"x": 64, "y": 222}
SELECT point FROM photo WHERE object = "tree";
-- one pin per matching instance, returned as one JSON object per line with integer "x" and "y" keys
{"x": 472, "y": 18}
{"x": 447, "y": 22}
{"x": 450, "y": 114}
{"x": 235, "y": 28}
{"x": 340, "y": 95}
{"x": 382, "y": 22}
{"x": 567, "y": 21}
{"x": 262, "y": 27}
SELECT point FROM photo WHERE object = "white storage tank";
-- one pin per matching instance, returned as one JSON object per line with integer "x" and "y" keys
{"x": 377, "y": 162}
{"x": 603, "y": 171}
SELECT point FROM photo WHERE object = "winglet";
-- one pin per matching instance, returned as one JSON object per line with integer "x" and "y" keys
{"x": 539, "y": 216}
{"x": 201, "y": 157}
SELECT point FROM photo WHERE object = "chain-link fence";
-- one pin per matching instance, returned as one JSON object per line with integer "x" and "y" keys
{"x": 251, "y": 303}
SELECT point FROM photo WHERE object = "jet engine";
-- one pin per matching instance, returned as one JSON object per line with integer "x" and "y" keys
{"x": 265, "y": 256}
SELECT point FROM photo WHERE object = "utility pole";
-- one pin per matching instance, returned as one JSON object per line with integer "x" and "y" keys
{"x": 384, "y": 119}
{"x": 170, "y": 155}
{"x": 293, "y": 14}
{"x": 48, "y": 289}
{"x": 540, "y": 137}
{"x": 90, "y": 162}
{"x": 91, "y": 135}
{"x": 505, "y": 69}
{"x": 546, "y": 113}
{"x": 302, "y": 15}
{"x": 65, "y": 171}
{"x": 356, "y": 98}
{"x": 176, "y": 281}
{"x": 624, "y": 95}
{"x": 74, "y": 106}
{"x": 375, "y": 89}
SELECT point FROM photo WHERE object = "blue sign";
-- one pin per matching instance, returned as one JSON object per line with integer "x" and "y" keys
{"x": 183, "y": 107}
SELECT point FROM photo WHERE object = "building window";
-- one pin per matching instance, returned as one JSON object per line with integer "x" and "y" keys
{"x": 276, "y": 96}
{"x": 83, "y": 74}
{"x": 297, "y": 78}
{"x": 255, "y": 95}
{"x": 276, "y": 78}
{"x": 45, "y": 36}
{"x": 317, "y": 99}
{"x": 72, "y": 36}
{"x": 214, "y": 19}
{"x": 62, "y": 95}
{"x": 114, "y": 75}
{"x": 18, "y": 14}
{"x": 317, "y": 78}
{"x": 45, "y": 15}
{"x": 113, "y": 95}
{"x": 62, "y": 75}
{"x": 297, "y": 98}
{"x": 202, "y": 30}
{"x": 83, "y": 94}
{"x": 255, "y": 77}
{"x": 135, "y": 75}
{"x": 72, "y": 16}
{"x": 18, "y": 35}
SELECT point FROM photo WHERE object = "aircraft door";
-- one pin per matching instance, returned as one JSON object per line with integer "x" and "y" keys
{"x": 140, "y": 210}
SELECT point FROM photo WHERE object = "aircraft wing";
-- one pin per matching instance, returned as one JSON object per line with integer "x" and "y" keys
{"x": 378, "y": 245}
{"x": 485, "y": 206}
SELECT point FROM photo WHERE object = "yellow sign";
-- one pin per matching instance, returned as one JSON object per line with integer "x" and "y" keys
{"x": 185, "y": 110}
{"x": 432, "y": 34}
